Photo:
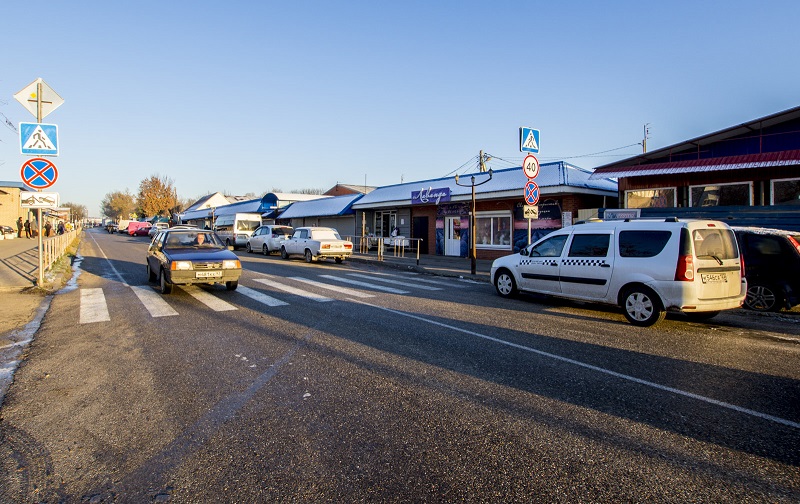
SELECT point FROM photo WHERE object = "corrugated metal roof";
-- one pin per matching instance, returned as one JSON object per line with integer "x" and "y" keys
{"x": 554, "y": 178}
{"x": 326, "y": 207}
{"x": 764, "y": 160}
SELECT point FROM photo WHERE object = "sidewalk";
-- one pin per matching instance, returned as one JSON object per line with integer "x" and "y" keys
{"x": 459, "y": 267}
{"x": 19, "y": 263}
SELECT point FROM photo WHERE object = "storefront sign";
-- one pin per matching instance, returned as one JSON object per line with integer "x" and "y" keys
{"x": 430, "y": 196}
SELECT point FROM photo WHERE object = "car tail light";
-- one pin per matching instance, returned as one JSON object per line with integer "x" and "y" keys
{"x": 741, "y": 260}
{"x": 795, "y": 243}
{"x": 325, "y": 246}
{"x": 348, "y": 246}
{"x": 685, "y": 270}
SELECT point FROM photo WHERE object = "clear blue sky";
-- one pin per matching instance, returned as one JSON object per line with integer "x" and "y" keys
{"x": 245, "y": 97}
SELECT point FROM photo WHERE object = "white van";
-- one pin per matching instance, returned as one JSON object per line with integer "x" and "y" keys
{"x": 235, "y": 229}
{"x": 645, "y": 266}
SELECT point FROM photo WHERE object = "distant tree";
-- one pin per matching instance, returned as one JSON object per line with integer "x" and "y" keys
{"x": 77, "y": 212}
{"x": 156, "y": 197}
{"x": 117, "y": 205}
{"x": 309, "y": 191}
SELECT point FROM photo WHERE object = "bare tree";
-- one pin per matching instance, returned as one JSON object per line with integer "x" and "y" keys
{"x": 77, "y": 212}
{"x": 118, "y": 205}
{"x": 156, "y": 196}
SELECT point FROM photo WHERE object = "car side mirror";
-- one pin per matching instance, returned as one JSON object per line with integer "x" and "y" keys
{"x": 523, "y": 252}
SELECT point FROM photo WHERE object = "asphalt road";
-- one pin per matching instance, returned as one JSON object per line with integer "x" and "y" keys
{"x": 389, "y": 386}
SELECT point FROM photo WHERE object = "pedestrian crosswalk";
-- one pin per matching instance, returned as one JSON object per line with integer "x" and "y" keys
{"x": 267, "y": 290}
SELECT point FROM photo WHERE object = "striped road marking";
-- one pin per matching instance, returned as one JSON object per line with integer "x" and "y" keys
{"x": 93, "y": 306}
{"x": 396, "y": 282}
{"x": 293, "y": 290}
{"x": 260, "y": 296}
{"x": 365, "y": 284}
{"x": 343, "y": 290}
{"x": 207, "y": 299}
{"x": 153, "y": 301}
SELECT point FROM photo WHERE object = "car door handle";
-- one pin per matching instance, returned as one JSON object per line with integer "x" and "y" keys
{"x": 554, "y": 264}
{"x": 605, "y": 265}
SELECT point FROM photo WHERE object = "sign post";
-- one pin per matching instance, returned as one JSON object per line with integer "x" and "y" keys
{"x": 39, "y": 173}
{"x": 529, "y": 142}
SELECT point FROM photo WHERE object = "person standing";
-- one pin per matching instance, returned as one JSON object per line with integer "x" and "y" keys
{"x": 47, "y": 228}
{"x": 27, "y": 229}
{"x": 19, "y": 227}
{"x": 60, "y": 227}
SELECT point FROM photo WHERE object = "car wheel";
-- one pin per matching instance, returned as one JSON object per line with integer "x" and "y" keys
{"x": 247, "y": 247}
{"x": 231, "y": 286}
{"x": 642, "y": 307}
{"x": 284, "y": 254}
{"x": 151, "y": 277}
{"x": 166, "y": 287}
{"x": 762, "y": 298}
{"x": 339, "y": 260}
{"x": 265, "y": 249}
{"x": 504, "y": 284}
{"x": 308, "y": 256}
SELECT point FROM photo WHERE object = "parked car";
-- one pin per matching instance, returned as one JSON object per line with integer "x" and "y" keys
{"x": 112, "y": 227}
{"x": 314, "y": 243}
{"x": 134, "y": 225}
{"x": 645, "y": 266}
{"x": 771, "y": 266}
{"x": 158, "y": 226}
{"x": 268, "y": 239}
{"x": 142, "y": 231}
{"x": 8, "y": 231}
{"x": 186, "y": 256}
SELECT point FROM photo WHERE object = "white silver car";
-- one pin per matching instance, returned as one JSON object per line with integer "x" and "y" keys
{"x": 268, "y": 239}
{"x": 314, "y": 243}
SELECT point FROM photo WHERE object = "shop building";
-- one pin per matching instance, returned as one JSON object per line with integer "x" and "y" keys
{"x": 436, "y": 213}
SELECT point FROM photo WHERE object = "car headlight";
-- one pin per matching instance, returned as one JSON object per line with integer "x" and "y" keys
{"x": 231, "y": 264}
{"x": 181, "y": 265}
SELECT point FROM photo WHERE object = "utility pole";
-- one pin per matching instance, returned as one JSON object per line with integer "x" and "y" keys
{"x": 482, "y": 159}
{"x": 646, "y": 135}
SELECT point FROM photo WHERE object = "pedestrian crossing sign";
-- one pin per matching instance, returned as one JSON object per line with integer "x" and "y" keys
{"x": 528, "y": 140}
{"x": 38, "y": 139}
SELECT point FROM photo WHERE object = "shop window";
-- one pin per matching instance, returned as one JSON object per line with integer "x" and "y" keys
{"x": 721, "y": 195}
{"x": 663, "y": 197}
{"x": 786, "y": 192}
{"x": 494, "y": 230}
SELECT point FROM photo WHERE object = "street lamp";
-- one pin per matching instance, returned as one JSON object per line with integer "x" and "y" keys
{"x": 472, "y": 225}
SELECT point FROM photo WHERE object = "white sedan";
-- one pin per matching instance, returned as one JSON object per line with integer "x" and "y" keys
{"x": 315, "y": 243}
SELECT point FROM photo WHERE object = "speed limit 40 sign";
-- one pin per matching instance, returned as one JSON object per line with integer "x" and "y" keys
{"x": 530, "y": 165}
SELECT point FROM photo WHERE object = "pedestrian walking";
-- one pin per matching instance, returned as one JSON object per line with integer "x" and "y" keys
{"x": 60, "y": 228}
{"x": 47, "y": 228}
{"x": 27, "y": 229}
{"x": 19, "y": 227}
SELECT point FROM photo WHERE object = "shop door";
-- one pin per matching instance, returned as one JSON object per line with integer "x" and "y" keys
{"x": 452, "y": 236}
{"x": 419, "y": 231}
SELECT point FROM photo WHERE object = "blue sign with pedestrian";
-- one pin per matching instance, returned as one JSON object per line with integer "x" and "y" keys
{"x": 38, "y": 139}
{"x": 529, "y": 140}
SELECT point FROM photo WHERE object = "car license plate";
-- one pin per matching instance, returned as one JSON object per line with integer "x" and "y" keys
{"x": 208, "y": 274}
{"x": 714, "y": 277}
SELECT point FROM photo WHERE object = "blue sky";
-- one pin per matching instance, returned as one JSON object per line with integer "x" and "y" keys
{"x": 247, "y": 97}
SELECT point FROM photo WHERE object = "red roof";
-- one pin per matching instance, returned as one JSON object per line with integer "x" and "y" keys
{"x": 764, "y": 160}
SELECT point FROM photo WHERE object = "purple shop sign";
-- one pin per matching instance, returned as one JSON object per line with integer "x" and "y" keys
{"x": 429, "y": 195}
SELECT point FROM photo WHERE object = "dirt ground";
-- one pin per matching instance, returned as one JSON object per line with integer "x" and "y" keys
{"x": 18, "y": 308}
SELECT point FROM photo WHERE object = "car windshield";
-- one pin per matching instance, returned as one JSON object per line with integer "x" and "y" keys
{"x": 247, "y": 225}
{"x": 325, "y": 234}
{"x": 193, "y": 239}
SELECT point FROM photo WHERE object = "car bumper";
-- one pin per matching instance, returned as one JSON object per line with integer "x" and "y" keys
{"x": 190, "y": 277}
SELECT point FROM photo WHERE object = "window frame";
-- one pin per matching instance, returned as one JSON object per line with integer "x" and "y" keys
{"x": 749, "y": 185}
{"x": 772, "y": 189}
{"x": 674, "y": 190}
{"x": 505, "y": 214}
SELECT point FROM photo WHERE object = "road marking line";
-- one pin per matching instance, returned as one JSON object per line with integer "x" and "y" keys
{"x": 396, "y": 282}
{"x": 365, "y": 284}
{"x": 337, "y": 288}
{"x": 293, "y": 290}
{"x": 260, "y": 296}
{"x": 208, "y": 299}
{"x": 93, "y": 306}
{"x": 598, "y": 369}
{"x": 153, "y": 301}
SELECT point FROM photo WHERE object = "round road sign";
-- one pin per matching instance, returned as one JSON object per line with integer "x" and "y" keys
{"x": 39, "y": 173}
{"x": 531, "y": 192}
{"x": 530, "y": 165}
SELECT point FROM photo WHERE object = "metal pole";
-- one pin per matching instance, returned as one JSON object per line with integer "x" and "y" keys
{"x": 39, "y": 211}
{"x": 472, "y": 228}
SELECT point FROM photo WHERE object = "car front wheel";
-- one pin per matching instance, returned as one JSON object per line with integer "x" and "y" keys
{"x": 248, "y": 249}
{"x": 231, "y": 286}
{"x": 265, "y": 249}
{"x": 284, "y": 254}
{"x": 762, "y": 298}
{"x": 166, "y": 287}
{"x": 505, "y": 284}
{"x": 642, "y": 307}
{"x": 151, "y": 277}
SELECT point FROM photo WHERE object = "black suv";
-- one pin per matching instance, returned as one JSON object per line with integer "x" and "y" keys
{"x": 772, "y": 267}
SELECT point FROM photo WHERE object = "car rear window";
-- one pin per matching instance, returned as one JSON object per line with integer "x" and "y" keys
{"x": 643, "y": 243}
{"x": 282, "y": 231}
{"x": 715, "y": 242}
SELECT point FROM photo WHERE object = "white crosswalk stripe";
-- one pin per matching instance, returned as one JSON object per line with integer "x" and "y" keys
{"x": 153, "y": 301}
{"x": 365, "y": 284}
{"x": 208, "y": 299}
{"x": 260, "y": 296}
{"x": 337, "y": 288}
{"x": 93, "y": 306}
{"x": 293, "y": 290}
{"x": 395, "y": 282}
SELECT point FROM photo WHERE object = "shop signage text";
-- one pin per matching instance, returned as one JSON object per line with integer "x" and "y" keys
{"x": 430, "y": 195}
